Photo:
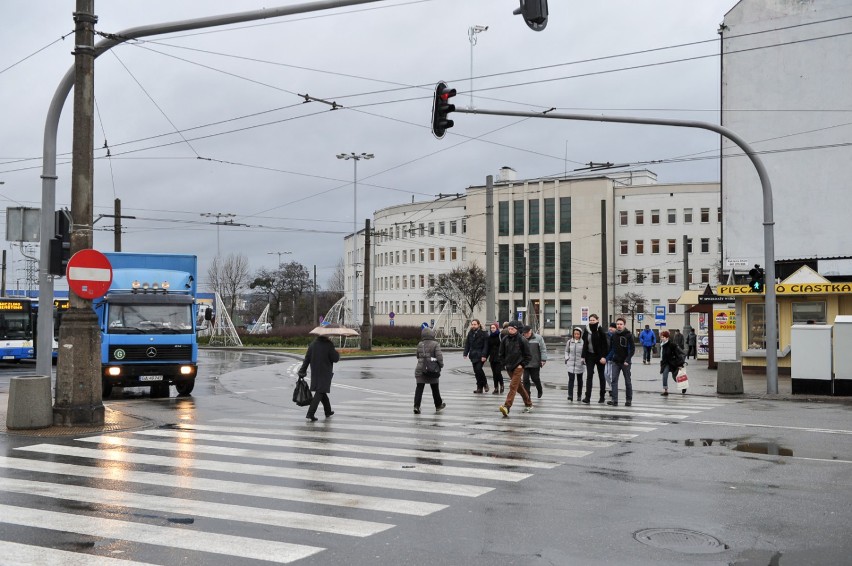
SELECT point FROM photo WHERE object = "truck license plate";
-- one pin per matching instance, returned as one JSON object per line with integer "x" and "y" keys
{"x": 150, "y": 378}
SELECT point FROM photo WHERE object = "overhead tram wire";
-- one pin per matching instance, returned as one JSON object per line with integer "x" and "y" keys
{"x": 36, "y": 52}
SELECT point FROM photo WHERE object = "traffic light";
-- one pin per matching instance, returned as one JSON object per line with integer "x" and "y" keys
{"x": 60, "y": 244}
{"x": 756, "y": 283}
{"x": 534, "y": 13}
{"x": 441, "y": 109}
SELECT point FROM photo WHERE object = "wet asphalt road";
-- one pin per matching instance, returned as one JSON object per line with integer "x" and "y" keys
{"x": 695, "y": 480}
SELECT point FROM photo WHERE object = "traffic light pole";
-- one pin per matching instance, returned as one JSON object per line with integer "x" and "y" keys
{"x": 768, "y": 219}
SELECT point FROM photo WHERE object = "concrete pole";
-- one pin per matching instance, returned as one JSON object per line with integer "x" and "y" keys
{"x": 604, "y": 268}
{"x": 686, "y": 318}
{"x": 78, "y": 375}
{"x": 490, "y": 300}
{"x": 117, "y": 241}
{"x": 366, "y": 326}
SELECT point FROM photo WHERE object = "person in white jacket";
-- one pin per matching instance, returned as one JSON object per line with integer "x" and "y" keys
{"x": 575, "y": 363}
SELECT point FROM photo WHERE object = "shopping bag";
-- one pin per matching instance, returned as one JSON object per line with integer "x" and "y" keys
{"x": 302, "y": 393}
{"x": 682, "y": 379}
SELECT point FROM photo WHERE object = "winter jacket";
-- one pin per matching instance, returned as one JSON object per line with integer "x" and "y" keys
{"x": 321, "y": 356}
{"x": 427, "y": 348}
{"x": 647, "y": 337}
{"x": 514, "y": 352}
{"x": 595, "y": 343}
{"x": 678, "y": 339}
{"x": 476, "y": 345}
{"x": 538, "y": 351}
{"x": 622, "y": 347}
{"x": 494, "y": 340}
{"x": 574, "y": 356}
{"x": 691, "y": 339}
{"x": 672, "y": 356}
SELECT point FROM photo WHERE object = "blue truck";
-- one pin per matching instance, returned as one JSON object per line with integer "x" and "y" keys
{"x": 148, "y": 323}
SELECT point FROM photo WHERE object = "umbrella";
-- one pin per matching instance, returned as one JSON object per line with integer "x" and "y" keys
{"x": 333, "y": 330}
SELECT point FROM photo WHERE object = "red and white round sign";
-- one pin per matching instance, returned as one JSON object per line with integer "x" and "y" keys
{"x": 89, "y": 274}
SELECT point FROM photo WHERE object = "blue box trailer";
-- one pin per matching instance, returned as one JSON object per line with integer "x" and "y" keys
{"x": 148, "y": 323}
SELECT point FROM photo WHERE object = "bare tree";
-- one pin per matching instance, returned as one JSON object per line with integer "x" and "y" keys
{"x": 285, "y": 286}
{"x": 464, "y": 286}
{"x": 337, "y": 281}
{"x": 630, "y": 303}
{"x": 227, "y": 277}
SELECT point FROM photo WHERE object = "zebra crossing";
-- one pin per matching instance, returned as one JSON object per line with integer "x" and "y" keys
{"x": 278, "y": 489}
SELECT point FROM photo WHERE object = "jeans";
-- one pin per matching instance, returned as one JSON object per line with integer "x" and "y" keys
{"x": 497, "y": 373}
{"x": 571, "y": 377}
{"x": 590, "y": 372}
{"x": 533, "y": 374}
{"x": 646, "y": 357}
{"x": 418, "y": 394}
{"x": 481, "y": 380}
{"x": 628, "y": 384}
{"x": 515, "y": 386}
{"x": 667, "y": 369}
{"x": 319, "y": 398}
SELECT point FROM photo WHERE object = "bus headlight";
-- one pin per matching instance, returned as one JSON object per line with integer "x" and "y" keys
{"x": 114, "y": 371}
{"x": 185, "y": 370}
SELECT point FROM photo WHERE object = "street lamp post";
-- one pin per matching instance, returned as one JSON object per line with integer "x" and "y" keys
{"x": 472, "y": 32}
{"x": 355, "y": 157}
{"x": 279, "y": 255}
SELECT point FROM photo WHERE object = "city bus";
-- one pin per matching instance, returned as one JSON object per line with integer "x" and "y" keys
{"x": 17, "y": 326}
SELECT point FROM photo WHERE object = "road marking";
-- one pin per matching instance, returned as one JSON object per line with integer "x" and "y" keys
{"x": 387, "y": 465}
{"x": 169, "y": 537}
{"x": 313, "y": 476}
{"x": 272, "y": 517}
{"x": 263, "y": 491}
{"x": 371, "y": 391}
{"x": 16, "y": 554}
{"x": 749, "y": 425}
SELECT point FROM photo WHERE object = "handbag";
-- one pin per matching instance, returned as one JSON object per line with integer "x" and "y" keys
{"x": 302, "y": 393}
{"x": 682, "y": 379}
{"x": 431, "y": 368}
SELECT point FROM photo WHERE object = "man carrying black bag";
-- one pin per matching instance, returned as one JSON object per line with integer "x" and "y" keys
{"x": 321, "y": 356}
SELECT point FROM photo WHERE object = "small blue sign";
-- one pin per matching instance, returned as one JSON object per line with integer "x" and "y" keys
{"x": 424, "y": 326}
{"x": 660, "y": 315}
{"x": 640, "y": 317}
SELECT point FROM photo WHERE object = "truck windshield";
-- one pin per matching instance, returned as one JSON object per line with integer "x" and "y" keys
{"x": 149, "y": 319}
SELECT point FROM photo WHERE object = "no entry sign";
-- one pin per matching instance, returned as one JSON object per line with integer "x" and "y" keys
{"x": 89, "y": 274}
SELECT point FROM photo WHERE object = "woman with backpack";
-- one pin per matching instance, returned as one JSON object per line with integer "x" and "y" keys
{"x": 430, "y": 360}
{"x": 671, "y": 360}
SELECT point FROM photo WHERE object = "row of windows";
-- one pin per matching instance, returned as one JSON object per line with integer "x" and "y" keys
{"x": 546, "y": 314}
{"x": 409, "y": 231}
{"x": 671, "y": 216}
{"x": 392, "y": 282}
{"x": 671, "y": 307}
{"x": 412, "y": 307}
{"x": 527, "y": 272}
{"x": 526, "y": 215}
{"x": 415, "y": 256}
{"x": 640, "y": 277}
{"x": 670, "y": 246}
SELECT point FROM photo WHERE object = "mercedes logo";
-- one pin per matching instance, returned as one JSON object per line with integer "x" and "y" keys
{"x": 151, "y": 352}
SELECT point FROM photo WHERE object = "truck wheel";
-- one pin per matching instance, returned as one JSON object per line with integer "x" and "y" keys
{"x": 160, "y": 390}
{"x": 106, "y": 389}
{"x": 184, "y": 388}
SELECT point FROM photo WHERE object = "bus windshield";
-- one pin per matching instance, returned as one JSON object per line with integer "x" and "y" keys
{"x": 16, "y": 326}
{"x": 149, "y": 319}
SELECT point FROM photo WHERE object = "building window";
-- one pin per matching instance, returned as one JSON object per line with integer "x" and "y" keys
{"x": 640, "y": 306}
{"x": 533, "y": 268}
{"x": 431, "y": 280}
{"x": 623, "y": 277}
{"x": 533, "y": 217}
{"x": 640, "y": 217}
{"x": 404, "y": 282}
{"x": 655, "y": 217}
{"x": 404, "y": 256}
{"x": 396, "y": 229}
{"x": 705, "y": 275}
{"x": 549, "y": 216}
{"x": 503, "y": 218}
{"x": 622, "y": 218}
{"x": 413, "y": 280}
{"x": 689, "y": 245}
{"x": 655, "y": 246}
{"x": 672, "y": 246}
{"x": 422, "y": 281}
{"x": 453, "y": 226}
{"x": 672, "y": 215}
{"x": 519, "y": 217}
{"x": 655, "y": 276}
{"x": 431, "y": 307}
{"x": 672, "y": 306}
{"x": 422, "y": 255}
{"x": 503, "y": 310}
{"x": 564, "y": 215}
{"x": 549, "y": 313}
{"x": 689, "y": 275}
{"x": 624, "y": 307}
{"x": 719, "y": 214}
{"x": 705, "y": 245}
{"x": 422, "y": 307}
{"x": 442, "y": 254}
{"x": 640, "y": 247}
{"x": 549, "y": 267}
{"x": 464, "y": 225}
{"x": 421, "y": 230}
{"x": 565, "y": 266}
{"x": 565, "y": 321}
{"x": 719, "y": 245}
{"x": 431, "y": 254}
{"x": 520, "y": 268}
{"x": 503, "y": 268}
{"x": 640, "y": 277}
{"x": 442, "y": 228}
{"x": 672, "y": 276}
{"x": 756, "y": 326}
{"x": 687, "y": 216}
{"x": 809, "y": 313}
{"x": 431, "y": 228}
{"x": 705, "y": 215}
{"x": 623, "y": 247}
{"x": 453, "y": 254}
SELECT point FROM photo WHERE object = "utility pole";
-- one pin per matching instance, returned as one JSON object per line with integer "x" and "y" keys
{"x": 366, "y": 326}
{"x": 604, "y": 290}
{"x": 490, "y": 301}
{"x": 78, "y": 369}
{"x": 117, "y": 216}
{"x": 316, "y": 317}
{"x": 687, "y": 324}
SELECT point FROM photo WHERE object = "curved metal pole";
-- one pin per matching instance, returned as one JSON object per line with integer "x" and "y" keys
{"x": 768, "y": 220}
{"x": 51, "y": 127}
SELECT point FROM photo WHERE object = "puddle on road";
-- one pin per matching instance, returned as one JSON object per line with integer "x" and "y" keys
{"x": 741, "y": 445}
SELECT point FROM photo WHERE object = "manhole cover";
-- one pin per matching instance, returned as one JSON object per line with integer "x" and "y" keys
{"x": 680, "y": 540}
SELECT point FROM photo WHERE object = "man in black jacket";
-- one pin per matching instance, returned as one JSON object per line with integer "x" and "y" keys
{"x": 476, "y": 350}
{"x": 621, "y": 355}
{"x": 515, "y": 355}
{"x": 595, "y": 349}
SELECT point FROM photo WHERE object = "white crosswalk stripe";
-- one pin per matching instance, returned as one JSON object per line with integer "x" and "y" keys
{"x": 355, "y": 475}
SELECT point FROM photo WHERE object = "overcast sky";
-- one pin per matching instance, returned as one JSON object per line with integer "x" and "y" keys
{"x": 213, "y": 122}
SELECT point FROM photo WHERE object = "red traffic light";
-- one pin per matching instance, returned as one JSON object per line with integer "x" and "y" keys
{"x": 441, "y": 109}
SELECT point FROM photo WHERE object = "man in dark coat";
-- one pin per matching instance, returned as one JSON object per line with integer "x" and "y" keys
{"x": 476, "y": 350}
{"x": 427, "y": 349}
{"x": 321, "y": 356}
{"x": 621, "y": 355}
{"x": 515, "y": 355}
{"x": 595, "y": 349}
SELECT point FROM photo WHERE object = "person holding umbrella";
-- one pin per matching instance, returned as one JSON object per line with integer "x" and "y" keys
{"x": 322, "y": 356}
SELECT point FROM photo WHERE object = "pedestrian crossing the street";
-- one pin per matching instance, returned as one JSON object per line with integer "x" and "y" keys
{"x": 278, "y": 489}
